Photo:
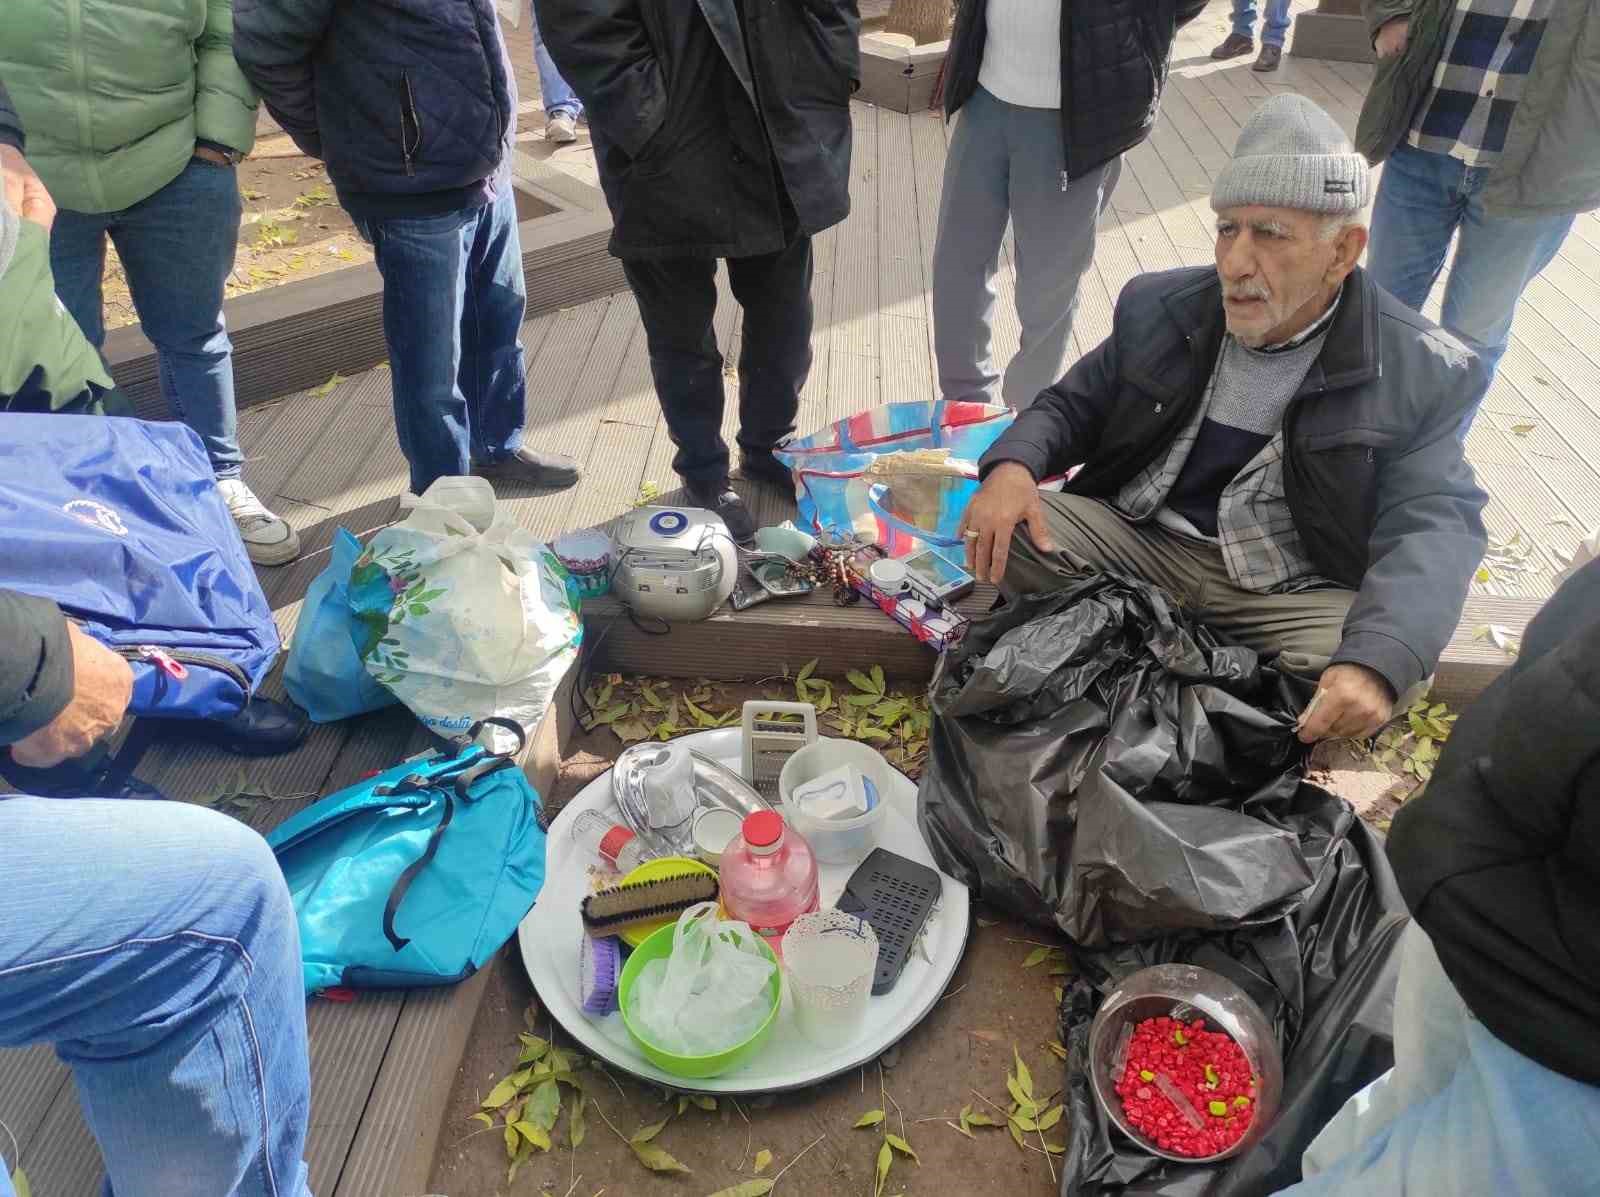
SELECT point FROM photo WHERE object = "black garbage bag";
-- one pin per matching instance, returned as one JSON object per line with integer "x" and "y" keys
{"x": 1101, "y": 763}
{"x": 1325, "y": 976}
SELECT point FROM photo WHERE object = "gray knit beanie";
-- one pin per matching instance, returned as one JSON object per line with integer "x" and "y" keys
{"x": 1292, "y": 154}
{"x": 10, "y": 226}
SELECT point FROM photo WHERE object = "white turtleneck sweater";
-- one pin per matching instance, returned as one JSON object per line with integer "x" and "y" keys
{"x": 1022, "y": 56}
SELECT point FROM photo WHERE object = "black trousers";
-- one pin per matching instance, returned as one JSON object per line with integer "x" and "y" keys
{"x": 678, "y": 301}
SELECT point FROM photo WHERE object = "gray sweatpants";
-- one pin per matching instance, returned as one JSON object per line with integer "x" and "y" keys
{"x": 1005, "y": 163}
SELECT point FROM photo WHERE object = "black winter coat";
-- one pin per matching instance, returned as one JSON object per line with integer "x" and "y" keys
{"x": 677, "y": 93}
{"x": 1377, "y": 482}
{"x": 1499, "y": 858}
{"x": 1114, "y": 57}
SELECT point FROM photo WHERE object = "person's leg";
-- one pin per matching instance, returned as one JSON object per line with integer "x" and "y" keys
{"x": 155, "y": 945}
{"x": 1301, "y": 630}
{"x": 1420, "y": 202}
{"x": 1055, "y": 237}
{"x": 177, "y": 248}
{"x": 677, "y": 304}
{"x": 491, "y": 373}
{"x": 557, "y": 94}
{"x": 973, "y": 210}
{"x": 775, "y": 353}
{"x": 1244, "y": 17}
{"x": 1090, "y": 537}
{"x": 1275, "y": 22}
{"x": 78, "y": 263}
{"x": 1496, "y": 258}
{"x": 423, "y": 261}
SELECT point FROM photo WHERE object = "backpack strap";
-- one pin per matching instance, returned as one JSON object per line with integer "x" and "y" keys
{"x": 461, "y": 783}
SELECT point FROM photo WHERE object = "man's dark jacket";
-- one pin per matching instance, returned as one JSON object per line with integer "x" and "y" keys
{"x": 1377, "y": 481}
{"x": 677, "y": 93}
{"x": 1114, "y": 58}
{"x": 411, "y": 103}
{"x": 35, "y": 665}
{"x": 1499, "y": 858}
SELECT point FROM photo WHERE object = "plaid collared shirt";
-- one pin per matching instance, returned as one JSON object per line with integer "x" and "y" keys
{"x": 1480, "y": 78}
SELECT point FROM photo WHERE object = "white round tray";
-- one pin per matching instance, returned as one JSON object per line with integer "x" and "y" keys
{"x": 552, "y": 934}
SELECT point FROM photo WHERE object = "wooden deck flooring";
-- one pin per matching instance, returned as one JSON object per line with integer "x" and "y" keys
{"x": 332, "y": 460}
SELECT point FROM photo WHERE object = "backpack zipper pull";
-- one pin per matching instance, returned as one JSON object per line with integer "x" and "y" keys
{"x": 164, "y": 661}
{"x": 1064, "y": 180}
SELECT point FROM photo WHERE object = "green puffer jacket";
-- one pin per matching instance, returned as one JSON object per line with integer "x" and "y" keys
{"x": 115, "y": 93}
{"x": 46, "y": 363}
{"x": 1551, "y": 162}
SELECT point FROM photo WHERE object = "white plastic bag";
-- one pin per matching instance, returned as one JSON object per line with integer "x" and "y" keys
{"x": 711, "y": 994}
{"x": 476, "y": 621}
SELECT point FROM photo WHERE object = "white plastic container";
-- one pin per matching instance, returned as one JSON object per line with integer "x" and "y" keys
{"x": 837, "y": 841}
{"x": 830, "y": 958}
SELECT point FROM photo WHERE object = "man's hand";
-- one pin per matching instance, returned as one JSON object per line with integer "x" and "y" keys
{"x": 1392, "y": 38}
{"x": 24, "y": 192}
{"x": 1351, "y": 703}
{"x": 102, "y": 683}
{"x": 1009, "y": 496}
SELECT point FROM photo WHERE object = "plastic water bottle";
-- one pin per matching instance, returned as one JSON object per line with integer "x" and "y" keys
{"x": 613, "y": 843}
{"x": 768, "y": 877}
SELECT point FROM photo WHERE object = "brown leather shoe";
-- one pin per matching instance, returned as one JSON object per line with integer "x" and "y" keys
{"x": 1268, "y": 59}
{"x": 1237, "y": 45}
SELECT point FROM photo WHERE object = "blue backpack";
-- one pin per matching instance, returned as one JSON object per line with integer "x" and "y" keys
{"x": 418, "y": 875}
{"x": 120, "y": 522}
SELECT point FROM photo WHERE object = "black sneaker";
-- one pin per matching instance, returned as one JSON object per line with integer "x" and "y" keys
{"x": 764, "y": 467}
{"x": 532, "y": 467}
{"x": 721, "y": 498}
{"x": 265, "y": 727}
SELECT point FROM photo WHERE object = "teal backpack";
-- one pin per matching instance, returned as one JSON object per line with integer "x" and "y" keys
{"x": 417, "y": 875}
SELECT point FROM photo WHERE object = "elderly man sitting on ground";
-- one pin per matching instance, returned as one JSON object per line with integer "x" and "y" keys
{"x": 1274, "y": 441}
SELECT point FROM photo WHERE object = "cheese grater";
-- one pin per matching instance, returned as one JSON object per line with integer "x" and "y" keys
{"x": 769, "y": 742}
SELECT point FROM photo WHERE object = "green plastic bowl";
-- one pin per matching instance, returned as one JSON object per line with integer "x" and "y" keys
{"x": 659, "y": 946}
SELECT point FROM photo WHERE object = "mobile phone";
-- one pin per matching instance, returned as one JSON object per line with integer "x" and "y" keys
{"x": 934, "y": 576}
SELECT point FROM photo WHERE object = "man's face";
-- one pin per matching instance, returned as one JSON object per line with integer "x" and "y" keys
{"x": 1278, "y": 272}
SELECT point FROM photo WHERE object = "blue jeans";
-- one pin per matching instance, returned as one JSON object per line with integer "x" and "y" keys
{"x": 553, "y": 89}
{"x": 1275, "y": 28}
{"x": 1423, "y": 199}
{"x": 453, "y": 299}
{"x": 155, "y": 946}
{"x": 1460, "y": 1111}
{"x": 177, "y": 249}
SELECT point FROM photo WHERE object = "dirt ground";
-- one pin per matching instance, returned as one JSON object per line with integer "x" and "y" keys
{"x": 957, "y": 1057}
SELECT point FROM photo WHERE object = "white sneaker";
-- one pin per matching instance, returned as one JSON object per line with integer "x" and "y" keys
{"x": 267, "y": 538}
{"x": 561, "y": 129}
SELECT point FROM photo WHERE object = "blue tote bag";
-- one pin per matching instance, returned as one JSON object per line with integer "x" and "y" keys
{"x": 120, "y": 522}
{"x": 418, "y": 875}
{"x": 325, "y": 673}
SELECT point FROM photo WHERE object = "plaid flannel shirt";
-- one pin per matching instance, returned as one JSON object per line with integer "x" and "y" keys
{"x": 1256, "y": 534}
{"x": 1479, "y": 79}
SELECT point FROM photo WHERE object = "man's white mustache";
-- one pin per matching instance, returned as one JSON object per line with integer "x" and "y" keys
{"x": 1240, "y": 293}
